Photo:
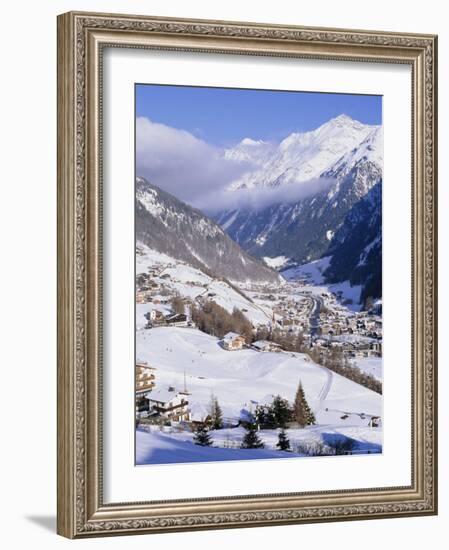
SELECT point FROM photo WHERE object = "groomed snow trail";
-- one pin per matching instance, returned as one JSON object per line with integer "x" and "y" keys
{"x": 325, "y": 389}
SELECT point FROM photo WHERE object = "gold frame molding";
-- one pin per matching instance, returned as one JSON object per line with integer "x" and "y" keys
{"x": 81, "y": 38}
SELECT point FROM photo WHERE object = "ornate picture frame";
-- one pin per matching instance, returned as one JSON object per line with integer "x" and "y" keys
{"x": 82, "y": 38}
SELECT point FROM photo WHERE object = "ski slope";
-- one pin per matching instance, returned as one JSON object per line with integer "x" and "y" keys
{"x": 239, "y": 379}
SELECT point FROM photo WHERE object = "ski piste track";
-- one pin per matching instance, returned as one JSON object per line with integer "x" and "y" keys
{"x": 326, "y": 386}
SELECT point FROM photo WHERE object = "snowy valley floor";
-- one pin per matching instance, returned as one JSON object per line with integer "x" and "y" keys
{"x": 155, "y": 447}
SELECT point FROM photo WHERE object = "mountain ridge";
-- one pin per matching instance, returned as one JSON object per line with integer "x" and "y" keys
{"x": 170, "y": 226}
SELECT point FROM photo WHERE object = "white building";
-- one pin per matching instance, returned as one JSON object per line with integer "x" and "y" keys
{"x": 169, "y": 404}
{"x": 233, "y": 341}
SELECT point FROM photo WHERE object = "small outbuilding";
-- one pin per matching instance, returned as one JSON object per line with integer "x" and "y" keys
{"x": 265, "y": 346}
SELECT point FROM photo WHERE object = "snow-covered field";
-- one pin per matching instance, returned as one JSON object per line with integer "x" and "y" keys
{"x": 313, "y": 274}
{"x": 242, "y": 379}
{"x": 159, "y": 447}
{"x": 313, "y": 271}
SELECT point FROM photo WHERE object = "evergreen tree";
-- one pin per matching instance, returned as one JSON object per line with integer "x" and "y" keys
{"x": 283, "y": 442}
{"x": 201, "y": 436}
{"x": 264, "y": 416}
{"x": 251, "y": 440}
{"x": 216, "y": 414}
{"x": 301, "y": 410}
{"x": 281, "y": 411}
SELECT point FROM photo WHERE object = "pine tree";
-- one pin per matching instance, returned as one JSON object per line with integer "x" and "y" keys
{"x": 201, "y": 436}
{"x": 281, "y": 411}
{"x": 264, "y": 416}
{"x": 301, "y": 410}
{"x": 283, "y": 442}
{"x": 251, "y": 440}
{"x": 216, "y": 414}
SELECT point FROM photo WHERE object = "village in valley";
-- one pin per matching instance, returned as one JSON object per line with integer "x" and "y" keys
{"x": 258, "y": 274}
{"x": 228, "y": 371}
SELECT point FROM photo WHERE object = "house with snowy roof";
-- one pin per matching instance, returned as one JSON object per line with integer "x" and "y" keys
{"x": 233, "y": 341}
{"x": 199, "y": 414}
{"x": 177, "y": 320}
{"x": 168, "y": 403}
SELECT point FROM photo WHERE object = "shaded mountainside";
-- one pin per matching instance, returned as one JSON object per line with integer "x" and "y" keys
{"x": 302, "y": 231}
{"x": 172, "y": 227}
{"x": 357, "y": 246}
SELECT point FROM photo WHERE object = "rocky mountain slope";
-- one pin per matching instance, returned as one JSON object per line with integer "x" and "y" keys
{"x": 169, "y": 226}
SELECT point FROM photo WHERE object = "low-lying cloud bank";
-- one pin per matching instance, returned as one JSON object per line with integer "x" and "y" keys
{"x": 260, "y": 198}
{"x": 199, "y": 174}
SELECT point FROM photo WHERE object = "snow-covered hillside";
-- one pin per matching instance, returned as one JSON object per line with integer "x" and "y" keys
{"x": 190, "y": 282}
{"x": 240, "y": 380}
{"x": 170, "y": 226}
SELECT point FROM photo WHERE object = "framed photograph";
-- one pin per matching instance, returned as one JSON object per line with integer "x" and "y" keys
{"x": 246, "y": 274}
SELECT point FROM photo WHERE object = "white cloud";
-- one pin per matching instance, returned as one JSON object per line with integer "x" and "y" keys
{"x": 257, "y": 199}
{"x": 199, "y": 173}
{"x": 181, "y": 163}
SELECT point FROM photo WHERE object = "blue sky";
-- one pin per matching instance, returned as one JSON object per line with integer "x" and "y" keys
{"x": 224, "y": 116}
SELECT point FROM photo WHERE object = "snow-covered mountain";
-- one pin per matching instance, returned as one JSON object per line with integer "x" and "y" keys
{"x": 348, "y": 156}
{"x": 300, "y": 157}
{"x": 169, "y": 226}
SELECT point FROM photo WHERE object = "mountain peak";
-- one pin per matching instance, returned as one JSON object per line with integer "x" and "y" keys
{"x": 343, "y": 118}
{"x": 344, "y": 122}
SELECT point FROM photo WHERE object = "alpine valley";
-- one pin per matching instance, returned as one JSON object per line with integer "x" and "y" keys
{"x": 259, "y": 323}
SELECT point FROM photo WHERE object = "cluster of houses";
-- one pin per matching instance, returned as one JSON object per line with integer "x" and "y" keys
{"x": 293, "y": 314}
{"x": 355, "y": 348}
{"x": 146, "y": 287}
{"x": 358, "y": 335}
{"x": 335, "y": 323}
